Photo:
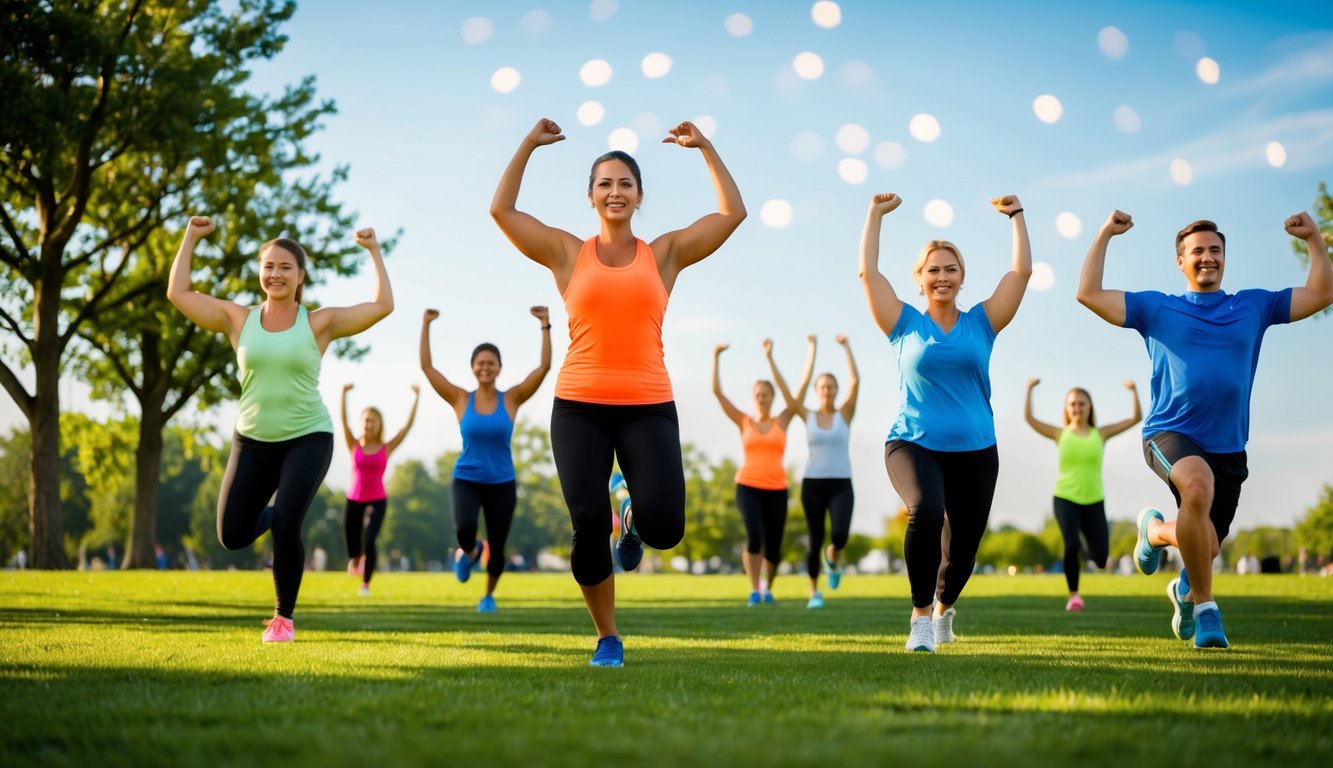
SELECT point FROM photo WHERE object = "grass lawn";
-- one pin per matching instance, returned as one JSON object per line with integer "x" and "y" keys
{"x": 166, "y": 668}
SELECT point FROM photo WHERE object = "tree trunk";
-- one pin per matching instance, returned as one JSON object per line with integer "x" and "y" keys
{"x": 140, "y": 551}
{"x": 46, "y": 523}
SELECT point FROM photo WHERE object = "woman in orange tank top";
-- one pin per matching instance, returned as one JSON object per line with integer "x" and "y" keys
{"x": 761, "y": 482}
{"x": 613, "y": 397}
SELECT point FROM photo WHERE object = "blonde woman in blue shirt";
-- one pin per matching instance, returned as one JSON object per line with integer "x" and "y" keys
{"x": 1079, "y": 501}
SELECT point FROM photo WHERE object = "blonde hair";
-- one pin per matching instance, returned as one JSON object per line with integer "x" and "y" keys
{"x": 378, "y": 415}
{"x": 936, "y": 245}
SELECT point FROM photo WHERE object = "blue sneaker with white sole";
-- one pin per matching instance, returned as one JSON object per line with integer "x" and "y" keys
{"x": 1182, "y": 617}
{"x": 610, "y": 653}
{"x": 816, "y": 601}
{"x": 1208, "y": 629}
{"x": 834, "y": 571}
{"x": 629, "y": 549}
{"x": 1147, "y": 556}
{"x": 755, "y": 599}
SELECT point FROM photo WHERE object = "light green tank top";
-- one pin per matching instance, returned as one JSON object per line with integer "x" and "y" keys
{"x": 280, "y": 381}
{"x": 1080, "y": 478}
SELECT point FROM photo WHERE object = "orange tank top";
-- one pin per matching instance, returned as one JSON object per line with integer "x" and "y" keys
{"x": 762, "y": 467}
{"x": 615, "y": 331}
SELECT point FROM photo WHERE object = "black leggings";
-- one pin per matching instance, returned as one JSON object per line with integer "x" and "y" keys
{"x": 765, "y": 515}
{"x": 360, "y": 533}
{"x": 831, "y": 495}
{"x": 645, "y": 439}
{"x": 930, "y": 482}
{"x": 497, "y": 501}
{"x": 1090, "y": 520}
{"x": 256, "y": 470}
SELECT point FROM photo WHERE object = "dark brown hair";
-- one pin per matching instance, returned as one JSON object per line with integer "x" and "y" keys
{"x": 623, "y": 157}
{"x": 485, "y": 346}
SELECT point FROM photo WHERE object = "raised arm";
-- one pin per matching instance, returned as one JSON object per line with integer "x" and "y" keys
{"x": 1043, "y": 429}
{"x": 1317, "y": 293}
{"x": 791, "y": 403}
{"x": 1108, "y": 305}
{"x": 331, "y": 323}
{"x": 348, "y": 437}
{"x": 1003, "y": 304}
{"x": 853, "y": 382}
{"x": 455, "y": 396}
{"x": 1111, "y": 430}
{"x": 553, "y": 248}
{"x": 397, "y": 440}
{"x": 683, "y": 247}
{"x": 885, "y": 305}
{"x": 207, "y": 312}
{"x": 528, "y": 387}
{"x": 732, "y": 413}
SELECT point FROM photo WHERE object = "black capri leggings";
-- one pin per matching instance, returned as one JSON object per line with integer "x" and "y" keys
{"x": 765, "y": 515}
{"x": 1090, "y": 520}
{"x": 645, "y": 439}
{"x": 930, "y": 482}
{"x": 360, "y": 530}
{"x": 818, "y": 496}
{"x": 256, "y": 470}
{"x": 497, "y": 502}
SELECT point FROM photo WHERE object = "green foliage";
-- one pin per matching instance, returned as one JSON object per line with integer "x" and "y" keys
{"x": 1012, "y": 547}
{"x": 419, "y": 522}
{"x": 1315, "y": 529}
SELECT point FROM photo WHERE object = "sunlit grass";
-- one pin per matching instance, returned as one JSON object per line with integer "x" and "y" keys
{"x": 166, "y": 668}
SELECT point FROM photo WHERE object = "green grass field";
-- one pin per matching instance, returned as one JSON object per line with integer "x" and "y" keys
{"x": 166, "y": 668}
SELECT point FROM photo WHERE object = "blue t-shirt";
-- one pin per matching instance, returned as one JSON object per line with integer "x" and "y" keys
{"x": 487, "y": 457}
{"x": 944, "y": 381}
{"x": 1204, "y": 349}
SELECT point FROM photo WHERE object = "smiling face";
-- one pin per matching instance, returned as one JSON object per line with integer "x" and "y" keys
{"x": 1202, "y": 259}
{"x": 940, "y": 276}
{"x": 615, "y": 191}
{"x": 763, "y": 398}
{"x": 372, "y": 426}
{"x": 280, "y": 273}
{"x": 1078, "y": 408}
{"x": 485, "y": 366}
{"x": 826, "y": 389}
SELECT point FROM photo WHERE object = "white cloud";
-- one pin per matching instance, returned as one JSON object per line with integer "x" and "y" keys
{"x": 1307, "y": 65}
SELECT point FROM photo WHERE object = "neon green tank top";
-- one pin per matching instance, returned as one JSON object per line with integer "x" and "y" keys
{"x": 1080, "y": 478}
{"x": 280, "y": 381}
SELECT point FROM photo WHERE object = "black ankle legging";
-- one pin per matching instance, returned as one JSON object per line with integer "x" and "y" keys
{"x": 1090, "y": 520}
{"x": 360, "y": 532}
{"x": 818, "y": 496}
{"x": 764, "y": 513}
{"x": 497, "y": 502}
{"x": 929, "y": 482}
{"x": 256, "y": 470}
{"x": 645, "y": 439}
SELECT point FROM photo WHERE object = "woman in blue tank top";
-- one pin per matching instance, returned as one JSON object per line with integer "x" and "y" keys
{"x": 284, "y": 436}
{"x": 484, "y": 480}
{"x": 940, "y": 453}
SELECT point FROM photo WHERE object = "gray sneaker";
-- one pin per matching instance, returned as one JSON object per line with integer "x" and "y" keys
{"x": 922, "y": 636}
{"x": 944, "y": 627}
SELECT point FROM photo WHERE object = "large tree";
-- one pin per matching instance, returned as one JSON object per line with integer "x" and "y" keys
{"x": 113, "y": 113}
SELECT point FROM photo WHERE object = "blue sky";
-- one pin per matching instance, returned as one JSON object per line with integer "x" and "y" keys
{"x": 1170, "y": 111}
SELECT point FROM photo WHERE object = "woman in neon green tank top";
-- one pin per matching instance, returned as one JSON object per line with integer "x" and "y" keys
{"x": 1080, "y": 504}
{"x": 284, "y": 436}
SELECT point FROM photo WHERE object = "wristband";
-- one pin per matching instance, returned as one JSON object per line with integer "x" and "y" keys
{"x": 546, "y": 327}
{"x": 1015, "y": 212}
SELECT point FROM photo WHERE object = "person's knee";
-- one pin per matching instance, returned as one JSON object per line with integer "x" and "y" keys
{"x": 1194, "y": 481}
{"x": 590, "y": 569}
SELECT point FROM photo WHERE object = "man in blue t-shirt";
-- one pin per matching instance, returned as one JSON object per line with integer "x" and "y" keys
{"x": 1204, "y": 346}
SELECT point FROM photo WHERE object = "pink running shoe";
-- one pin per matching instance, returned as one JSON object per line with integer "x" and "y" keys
{"x": 279, "y": 630}
{"x": 1075, "y": 604}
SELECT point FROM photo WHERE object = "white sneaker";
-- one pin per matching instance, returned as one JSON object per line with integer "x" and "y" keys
{"x": 922, "y": 637}
{"x": 365, "y": 590}
{"x": 944, "y": 627}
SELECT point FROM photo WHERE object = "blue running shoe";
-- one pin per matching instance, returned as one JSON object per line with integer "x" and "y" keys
{"x": 1182, "y": 617}
{"x": 1147, "y": 556}
{"x": 629, "y": 550}
{"x": 487, "y": 605}
{"x": 834, "y": 573}
{"x": 755, "y": 599}
{"x": 610, "y": 653}
{"x": 1208, "y": 629}
{"x": 816, "y": 601}
{"x": 768, "y": 597}
{"x": 462, "y": 566}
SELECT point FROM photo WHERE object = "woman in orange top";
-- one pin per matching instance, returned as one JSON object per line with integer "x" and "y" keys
{"x": 613, "y": 398}
{"x": 761, "y": 482}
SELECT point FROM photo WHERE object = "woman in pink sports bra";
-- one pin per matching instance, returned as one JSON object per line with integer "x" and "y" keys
{"x": 367, "y": 500}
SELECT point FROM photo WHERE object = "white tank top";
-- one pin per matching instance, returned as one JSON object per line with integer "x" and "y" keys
{"x": 830, "y": 449}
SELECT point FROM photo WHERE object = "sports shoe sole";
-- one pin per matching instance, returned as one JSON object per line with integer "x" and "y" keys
{"x": 1182, "y": 627}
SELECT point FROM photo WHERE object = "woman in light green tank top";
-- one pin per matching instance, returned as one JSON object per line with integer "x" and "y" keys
{"x": 284, "y": 436}
{"x": 1078, "y": 499}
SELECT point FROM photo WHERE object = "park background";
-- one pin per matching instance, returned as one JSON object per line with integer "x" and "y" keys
{"x": 1170, "y": 111}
